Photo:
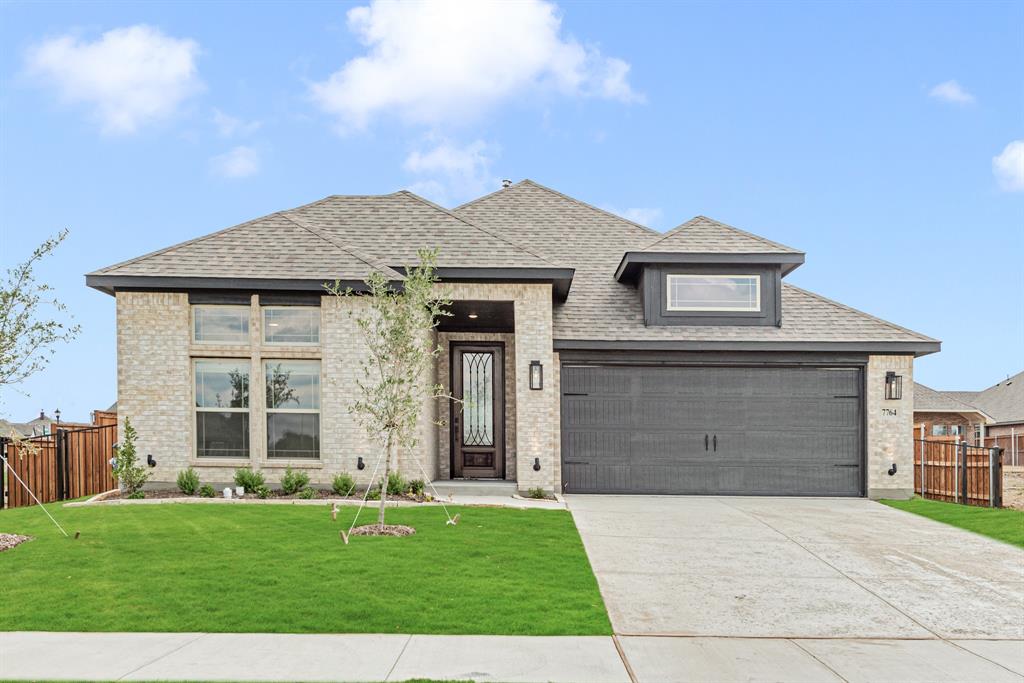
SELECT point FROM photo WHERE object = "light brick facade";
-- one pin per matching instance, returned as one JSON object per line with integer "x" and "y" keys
{"x": 889, "y": 429}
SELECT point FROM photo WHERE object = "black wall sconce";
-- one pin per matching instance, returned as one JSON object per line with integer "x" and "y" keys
{"x": 893, "y": 386}
{"x": 360, "y": 465}
{"x": 536, "y": 375}
{"x": 150, "y": 460}
{"x": 536, "y": 464}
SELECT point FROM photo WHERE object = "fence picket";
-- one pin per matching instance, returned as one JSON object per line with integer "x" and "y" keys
{"x": 958, "y": 473}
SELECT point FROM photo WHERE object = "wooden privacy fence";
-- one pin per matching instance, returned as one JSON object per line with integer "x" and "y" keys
{"x": 958, "y": 473}
{"x": 67, "y": 464}
{"x": 1012, "y": 445}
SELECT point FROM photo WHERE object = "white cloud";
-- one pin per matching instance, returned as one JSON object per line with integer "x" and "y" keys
{"x": 648, "y": 216}
{"x": 452, "y": 173}
{"x": 229, "y": 126}
{"x": 1008, "y": 167}
{"x": 951, "y": 91}
{"x": 448, "y": 60}
{"x": 129, "y": 76}
{"x": 239, "y": 162}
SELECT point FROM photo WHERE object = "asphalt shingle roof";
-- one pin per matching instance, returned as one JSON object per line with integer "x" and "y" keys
{"x": 705, "y": 235}
{"x": 601, "y": 309}
{"x": 1003, "y": 401}
{"x": 927, "y": 399}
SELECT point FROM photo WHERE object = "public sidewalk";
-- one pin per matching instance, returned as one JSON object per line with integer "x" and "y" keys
{"x": 512, "y": 659}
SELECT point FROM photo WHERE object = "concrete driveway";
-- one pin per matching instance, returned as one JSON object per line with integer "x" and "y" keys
{"x": 845, "y": 587}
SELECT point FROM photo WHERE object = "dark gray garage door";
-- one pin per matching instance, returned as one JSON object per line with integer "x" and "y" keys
{"x": 711, "y": 430}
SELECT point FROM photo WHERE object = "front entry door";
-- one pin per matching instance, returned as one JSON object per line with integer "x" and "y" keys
{"x": 478, "y": 416}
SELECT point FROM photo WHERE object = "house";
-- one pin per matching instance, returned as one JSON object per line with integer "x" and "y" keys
{"x": 592, "y": 353}
{"x": 992, "y": 417}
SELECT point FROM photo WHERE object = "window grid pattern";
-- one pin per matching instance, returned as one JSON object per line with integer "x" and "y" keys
{"x": 725, "y": 293}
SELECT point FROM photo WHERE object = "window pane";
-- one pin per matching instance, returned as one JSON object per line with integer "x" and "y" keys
{"x": 478, "y": 399}
{"x": 293, "y": 384}
{"x": 293, "y": 435}
{"x": 714, "y": 292}
{"x": 222, "y": 384}
{"x": 222, "y": 435}
{"x": 291, "y": 325}
{"x": 226, "y": 324}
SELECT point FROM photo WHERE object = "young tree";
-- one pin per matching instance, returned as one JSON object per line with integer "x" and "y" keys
{"x": 127, "y": 470}
{"x": 27, "y": 335}
{"x": 398, "y": 330}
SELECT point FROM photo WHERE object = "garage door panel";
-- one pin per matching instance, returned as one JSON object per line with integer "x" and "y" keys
{"x": 781, "y": 431}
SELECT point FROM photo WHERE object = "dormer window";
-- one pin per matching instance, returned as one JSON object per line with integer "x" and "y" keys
{"x": 722, "y": 293}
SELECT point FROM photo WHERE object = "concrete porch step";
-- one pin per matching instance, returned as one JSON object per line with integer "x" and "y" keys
{"x": 474, "y": 487}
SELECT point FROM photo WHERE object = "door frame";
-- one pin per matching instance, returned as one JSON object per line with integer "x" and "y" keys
{"x": 455, "y": 348}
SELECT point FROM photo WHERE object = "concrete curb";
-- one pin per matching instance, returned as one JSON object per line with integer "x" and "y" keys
{"x": 466, "y": 501}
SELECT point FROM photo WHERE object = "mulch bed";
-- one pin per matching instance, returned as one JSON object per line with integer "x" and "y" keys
{"x": 388, "y": 530}
{"x": 8, "y": 541}
{"x": 277, "y": 494}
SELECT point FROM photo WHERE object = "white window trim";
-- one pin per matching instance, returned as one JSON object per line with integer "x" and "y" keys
{"x": 266, "y": 325}
{"x": 207, "y": 409}
{"x": 297, "y": 411}
{"x": 718, "y": 309}
{"x": 214, "y": 342}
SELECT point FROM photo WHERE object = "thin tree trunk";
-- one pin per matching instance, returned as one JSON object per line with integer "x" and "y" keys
{"x": 384, "y": 481}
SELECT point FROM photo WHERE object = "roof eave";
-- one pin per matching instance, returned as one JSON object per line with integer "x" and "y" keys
{"x": 110, "y": 284}
{"x": 632, "y": 261}
{"x": 917, "y": 348}
{"x": 560, "y": 278}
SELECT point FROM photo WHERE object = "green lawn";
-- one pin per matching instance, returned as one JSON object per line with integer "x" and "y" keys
{"x": 283, "y": 568}
{"x": 1003, "y": 524}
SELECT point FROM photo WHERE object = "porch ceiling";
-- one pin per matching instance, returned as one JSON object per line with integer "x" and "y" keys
{"x": 479, "y": 316}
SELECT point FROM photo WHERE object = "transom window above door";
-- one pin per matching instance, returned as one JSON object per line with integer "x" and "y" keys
{"x": 693, "y": 292}
{"x": 299, "y": 325}
{"x": 220, "y": 324}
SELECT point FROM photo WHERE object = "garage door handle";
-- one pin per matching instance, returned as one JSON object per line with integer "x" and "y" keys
{"x": 705, "y": 442}
{"x": 716, "y": 443}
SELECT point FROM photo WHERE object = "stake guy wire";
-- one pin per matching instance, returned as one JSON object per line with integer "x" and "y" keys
{"x": 36, "y": 499}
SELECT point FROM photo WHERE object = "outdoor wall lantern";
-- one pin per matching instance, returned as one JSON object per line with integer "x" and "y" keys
{"x": 536, "y": 375}
{"x": 150, "y": 460}
{"x": 893, "y": 386}
{"x": 536, "y": 464}
{"x": 360, "y": 465}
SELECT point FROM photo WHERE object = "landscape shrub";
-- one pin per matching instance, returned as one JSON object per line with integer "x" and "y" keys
{"x": 307, "y": 493}
{"x": 248, "y": 479}
{"x": 343, "y": 484}
{"x": 127, "y": 470}
{"x": 396, "y": 484}
{"x": 262, "y": 491}
{"x": 137, "y": 495}
{"x": 206, "y": 491}
{"x": 293, "y": 482}
{"x": 416, "y": 487}
{"x": 373, "y": 493}
{"x": 188, "y": 482}
{"x": 537, "y": 492}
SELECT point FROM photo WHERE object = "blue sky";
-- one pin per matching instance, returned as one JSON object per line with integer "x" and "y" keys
{"x": 877, "y": 137}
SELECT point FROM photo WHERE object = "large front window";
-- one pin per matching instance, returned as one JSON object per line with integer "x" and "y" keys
{"x": 293, "y": 409}
{"x": 726, "y": 293}
{"x": 222, "y": 408}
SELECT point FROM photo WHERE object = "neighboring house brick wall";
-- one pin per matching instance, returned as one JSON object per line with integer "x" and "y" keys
{"x": 889, "y": 428}
{"x": 951, "y": 419}
{"x": 1016, "y": 428}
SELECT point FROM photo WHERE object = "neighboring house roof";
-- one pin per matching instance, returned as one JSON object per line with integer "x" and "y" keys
{"x": 524, "y": 231}
{"x": 1004, "y": 401}
{"x": 927, "y": 400}
{"x": 601, "y": 310}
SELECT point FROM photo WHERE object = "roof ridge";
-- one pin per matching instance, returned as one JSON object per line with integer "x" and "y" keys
{"x": 826, "y": 300}
{"x": 946, "y": 395}
{"x": 693, "y": 221}
{"x": 481, "y": 229}
{"x": 365, "y": 258}
{"x": 580, "y": 202}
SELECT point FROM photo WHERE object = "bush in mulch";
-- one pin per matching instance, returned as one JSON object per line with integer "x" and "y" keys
{"x": 8, "y": 541}
{"x": 266, "y": 492}
{"x": 388, "y": 530}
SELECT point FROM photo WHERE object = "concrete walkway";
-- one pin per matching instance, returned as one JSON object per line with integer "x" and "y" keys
{"x": 290, "y": 657}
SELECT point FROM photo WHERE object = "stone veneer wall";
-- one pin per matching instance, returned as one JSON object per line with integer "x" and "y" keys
{"x": 443, "y": 436}
{"x": 890, "y": 429}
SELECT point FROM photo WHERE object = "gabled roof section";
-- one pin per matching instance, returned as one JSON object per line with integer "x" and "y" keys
{"x": 928, "y": 400}
{"x": 1004, "y": 401}
{"x": 703, "y": 235}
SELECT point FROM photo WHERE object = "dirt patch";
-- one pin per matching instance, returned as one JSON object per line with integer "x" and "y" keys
{"x": 388, "y": 530}
{"x": 8, "y": 541}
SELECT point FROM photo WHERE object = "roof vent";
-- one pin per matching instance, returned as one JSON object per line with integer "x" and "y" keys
{"x": 506, "y": 183}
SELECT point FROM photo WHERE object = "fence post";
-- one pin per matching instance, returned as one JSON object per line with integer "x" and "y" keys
{"x": 3, "y": 471}
{"x": 995, "y": 478}
{"x": 58, "y": 443}
{"x": 963, "y": 479}
{"x": 920, "y": 447}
